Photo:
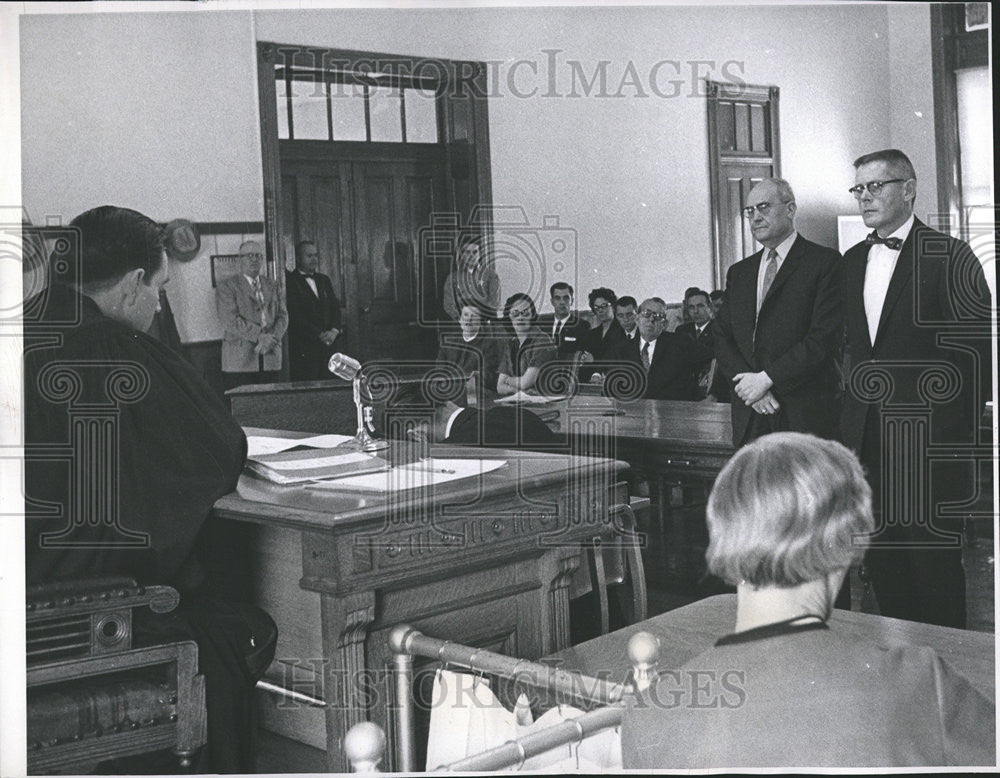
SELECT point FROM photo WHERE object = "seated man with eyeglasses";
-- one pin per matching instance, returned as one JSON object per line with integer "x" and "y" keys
{"x": 778, "y": 332}
{"x": 659, "y": 364}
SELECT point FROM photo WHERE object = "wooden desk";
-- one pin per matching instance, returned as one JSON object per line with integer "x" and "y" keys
{"x": 667, "y": 443}
{"x": 686, "y": 632}
{"x": 486, "y": 560}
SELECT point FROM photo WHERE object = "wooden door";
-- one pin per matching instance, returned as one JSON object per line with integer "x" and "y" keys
{"x": 743, "y": 148}
{"x": 392, "y": 203}
{"x": 736, "y": 239}
{"x": 366, "y": 218}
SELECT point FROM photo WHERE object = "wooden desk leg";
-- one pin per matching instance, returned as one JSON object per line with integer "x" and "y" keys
{"x": 557, "y": 567}
{"x": 345, "y": 623}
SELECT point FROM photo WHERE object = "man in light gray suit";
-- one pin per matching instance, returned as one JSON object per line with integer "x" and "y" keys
{"x": 254, "y": 319}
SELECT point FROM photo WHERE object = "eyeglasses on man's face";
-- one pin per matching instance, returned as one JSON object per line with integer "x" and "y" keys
{"x": 763, "y": 209}
{"x": 874, "y": 187}
{"x": 652, "y": 316}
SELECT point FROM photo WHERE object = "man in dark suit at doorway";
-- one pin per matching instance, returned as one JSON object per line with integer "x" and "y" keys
{"x": 917, "y": 311}
{"x": 314, "y": 323}
{"x": 778, "y": 333}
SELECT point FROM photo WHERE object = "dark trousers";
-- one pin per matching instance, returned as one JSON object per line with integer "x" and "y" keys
{"x": 915, "y": 567}
{"x": 236, "y": 643}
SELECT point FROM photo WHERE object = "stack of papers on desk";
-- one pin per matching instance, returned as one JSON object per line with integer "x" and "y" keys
{"x": 427, "y": 472}
{"x": 295, "y": 467}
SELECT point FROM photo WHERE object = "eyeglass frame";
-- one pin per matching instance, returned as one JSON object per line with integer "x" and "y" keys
{"x": 652, "y": 315}
{"x": 859, "y": 189}
{"x": 763, "y": 208}
{"x": 600, "y": 307}
{"x": 520, "y": 312}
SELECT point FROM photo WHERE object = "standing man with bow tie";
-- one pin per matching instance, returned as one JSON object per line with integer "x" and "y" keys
{"x": 314, "y": 324}
{"x": 917, "y": 310}
{"x": 779, "y": 330}
{"x": 254, "y": 320}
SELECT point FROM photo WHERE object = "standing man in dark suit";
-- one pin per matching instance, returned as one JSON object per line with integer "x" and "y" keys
{"x": 565, "y": 326}
{"x": 917, "y": 311}
{"x": 665, "y": 358}
{"x": 314, "y": 324}
{"x": 778, "y": 333}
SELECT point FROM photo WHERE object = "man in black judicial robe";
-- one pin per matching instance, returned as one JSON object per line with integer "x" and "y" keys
{"x": 170, "y": 450}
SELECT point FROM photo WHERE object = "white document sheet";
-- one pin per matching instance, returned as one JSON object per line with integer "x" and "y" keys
{"x": 427, "y": 472}
{"x": 259, "y": 444}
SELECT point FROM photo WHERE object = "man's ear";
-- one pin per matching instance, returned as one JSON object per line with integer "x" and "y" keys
{"x": 130, "y": 283}
{"x": 791, "y": 208}
{"x": 910, "y": 190}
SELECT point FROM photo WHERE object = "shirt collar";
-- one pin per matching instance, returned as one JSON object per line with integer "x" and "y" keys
{"x": 643, "y": 342}
{"x": 903, "y": 231}
{"x": 784, "y": 247}
{"x": 250, "y": 279}
{"x": 564, "y": 319}
{"x": 451, "y": 420}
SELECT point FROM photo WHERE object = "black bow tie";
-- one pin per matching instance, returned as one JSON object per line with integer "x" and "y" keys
{"x": 893, "y": 243}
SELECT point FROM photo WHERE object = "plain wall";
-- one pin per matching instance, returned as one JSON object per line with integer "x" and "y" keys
{"x": 159, "y": 112}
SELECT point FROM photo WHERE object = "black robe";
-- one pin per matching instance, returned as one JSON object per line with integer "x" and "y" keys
{"x": 98, "y": 393}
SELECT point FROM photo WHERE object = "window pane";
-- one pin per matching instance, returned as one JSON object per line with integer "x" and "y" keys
{"x": 347, "y": 105}
{"x": 281, "y": 105}
{"x": 421, "y": 116}
{"x": 975, "y": 134}
{"x": 309, "y": 111}
{"x": 386, "y": 122}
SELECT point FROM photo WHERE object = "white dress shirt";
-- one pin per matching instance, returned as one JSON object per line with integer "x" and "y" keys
{"x": 311, "y": 282}
{"x": 878, "y": 273}
{"x": 652, "y": 348}
{"x": 557, "y": 325}
{"x": 451, "y": 421}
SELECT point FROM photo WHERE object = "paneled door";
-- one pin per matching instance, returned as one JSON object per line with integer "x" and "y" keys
{"x": 366, "y": 217}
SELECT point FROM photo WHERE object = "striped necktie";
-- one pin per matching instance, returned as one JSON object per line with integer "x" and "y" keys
{"x": 770, "y": 271}
{"x": 258, "y": 293}
{"x": 645, "y": 356}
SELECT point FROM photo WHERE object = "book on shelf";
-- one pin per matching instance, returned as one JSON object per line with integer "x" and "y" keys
{"x": 313, "y": 464}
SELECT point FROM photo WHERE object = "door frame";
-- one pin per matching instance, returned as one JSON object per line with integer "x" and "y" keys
{"x": 466, "y": 75}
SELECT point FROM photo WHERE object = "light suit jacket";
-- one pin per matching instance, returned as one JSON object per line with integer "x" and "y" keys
{"x": 239, "y": 312}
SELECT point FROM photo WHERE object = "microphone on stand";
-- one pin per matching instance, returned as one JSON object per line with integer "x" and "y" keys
{"x": 344, "y": 366}
{"x": 349, "y": 369}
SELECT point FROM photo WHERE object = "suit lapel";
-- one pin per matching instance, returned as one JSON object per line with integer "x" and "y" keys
{"x": 856, "y": 263}
{"x": 901, "y": 277}
{"x": 744, "y": 315}
{"x": 788, "y": 266}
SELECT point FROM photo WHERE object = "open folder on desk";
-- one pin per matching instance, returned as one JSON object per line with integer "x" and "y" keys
{"x": 313, "y": 464}
{"x": 426, "y": 472}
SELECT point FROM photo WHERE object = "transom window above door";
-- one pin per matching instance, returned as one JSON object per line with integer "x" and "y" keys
{"x": 341, "y": 104}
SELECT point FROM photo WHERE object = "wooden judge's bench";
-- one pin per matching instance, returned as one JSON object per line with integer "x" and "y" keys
{"x": 487, "y": 561}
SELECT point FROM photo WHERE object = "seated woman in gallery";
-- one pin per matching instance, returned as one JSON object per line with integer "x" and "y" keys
{"x": 787, "y": 517}
{"x": 527, "y": 351}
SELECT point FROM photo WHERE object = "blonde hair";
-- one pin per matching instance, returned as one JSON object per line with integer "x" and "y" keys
{"x": 787, "y": 509}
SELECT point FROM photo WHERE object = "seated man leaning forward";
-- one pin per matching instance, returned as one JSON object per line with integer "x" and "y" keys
{"x": 412, "y": 414}
{"x": 177, "y": 451}
{"x": 787, "y": 517}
